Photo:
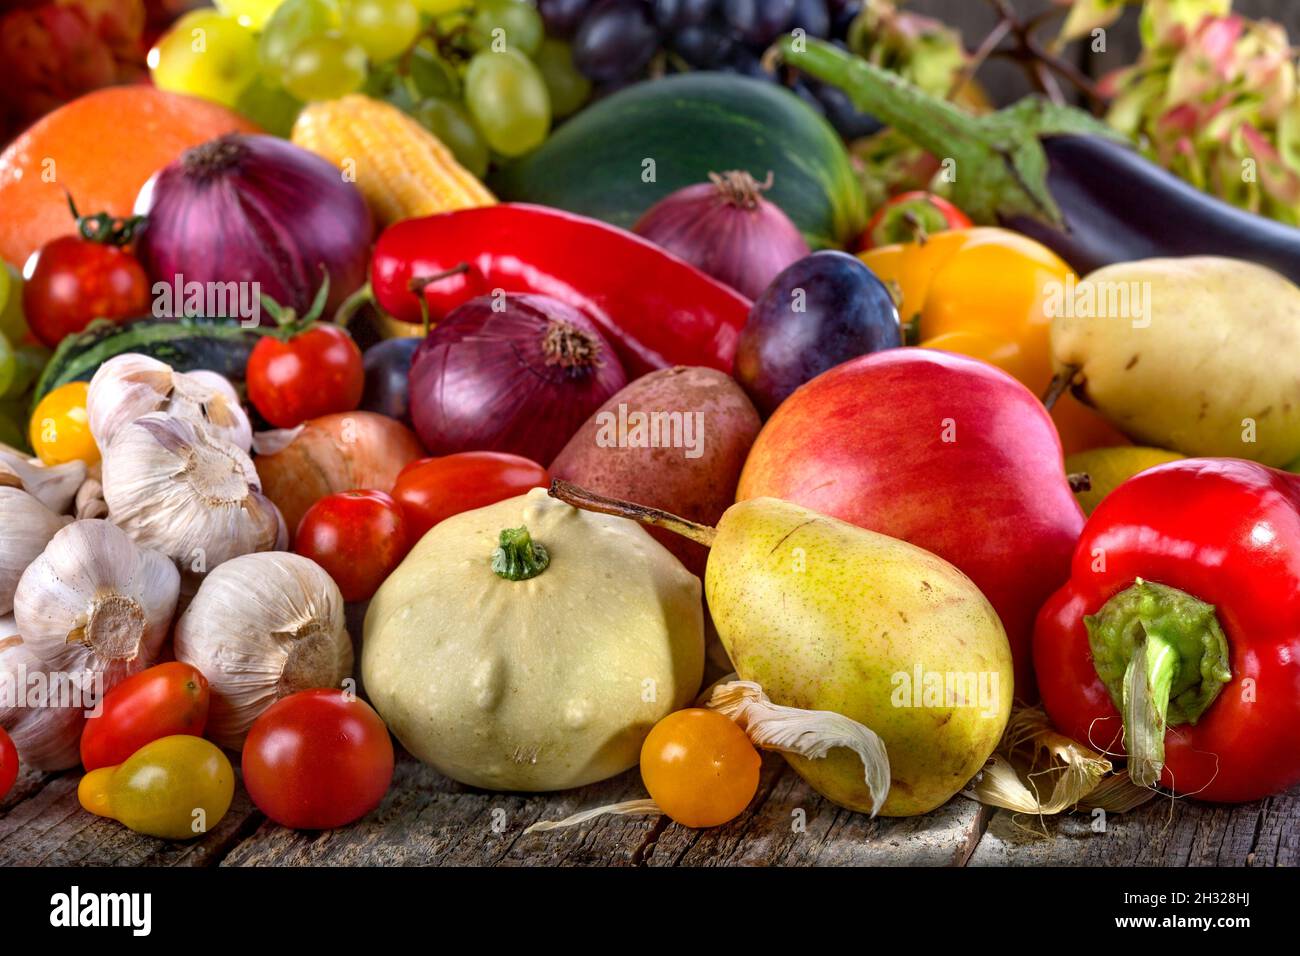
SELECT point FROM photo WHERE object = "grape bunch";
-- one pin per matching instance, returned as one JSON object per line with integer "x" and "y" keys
{"x": 617, "y": 41}
{"x": 21, "y": 361}
{"x": 482, "y": 75}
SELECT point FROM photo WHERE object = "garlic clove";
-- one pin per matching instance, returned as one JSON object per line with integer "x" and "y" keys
{"x": 96, "y": 603}
{"x": 36, "y": 710}
{"x": 177, "y": 489}
{"x": 261, "y": 627}
{"x": 130, "y": 386}
{"x": 53, "y": 486}
{"x": 27, "y": 527}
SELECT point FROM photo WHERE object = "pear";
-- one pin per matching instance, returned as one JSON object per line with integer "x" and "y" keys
{"x": 829, "y": 616}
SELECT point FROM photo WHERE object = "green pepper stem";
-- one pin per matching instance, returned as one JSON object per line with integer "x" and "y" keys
{"x": 1164, "y": 659}
{"x": 995, "y": 164}
{"x": 571, "y": 494}
{"x": 518, "y": 557}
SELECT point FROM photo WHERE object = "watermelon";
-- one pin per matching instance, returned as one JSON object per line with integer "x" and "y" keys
{"x": 623, "y": 154}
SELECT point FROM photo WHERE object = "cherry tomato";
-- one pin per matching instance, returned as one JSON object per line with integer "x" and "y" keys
{"x": 75, "y": 281}
{"x": 163, "y": 701}
{"x": 314, "y": 373}
{"x": 8, "y": 764}
{"x": 433, "y": 489}
{"x": 318, "y": 759}
{"x": 909, "y": 216}
{"x": 359, "y": 537}
{"x": 700, "y": 767}
{"x": 60, "y": 428}
{"x": 175, "y": 788}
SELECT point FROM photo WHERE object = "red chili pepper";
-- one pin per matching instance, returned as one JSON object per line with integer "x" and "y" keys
{"x": 658, "y": 310}
{"x": 1182, "y": 614}
{"x": 910, "y": 216}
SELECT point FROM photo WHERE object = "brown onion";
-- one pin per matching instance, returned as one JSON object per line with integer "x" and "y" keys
{"x": 725, "y": 228}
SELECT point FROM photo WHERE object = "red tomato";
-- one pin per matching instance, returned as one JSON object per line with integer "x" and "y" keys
{"x": 432, "y": 489}
{"x": 316, "y": 372}
{"x": 909, "y": 216}
{"x": 318, "y": 759}
{"x": 359, "y": 537}
{"x": 8, "y": 763}
{"x": 163, "y": 701}
{"x": 75, "y": 281}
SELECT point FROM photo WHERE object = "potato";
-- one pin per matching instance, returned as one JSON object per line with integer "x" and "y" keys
{"x": 1199, "y": 355}
{"x": 675, "y": 439}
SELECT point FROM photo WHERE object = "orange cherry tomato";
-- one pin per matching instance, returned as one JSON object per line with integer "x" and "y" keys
{"x": 700, "y": 767}
{"x": 988, "y": 293}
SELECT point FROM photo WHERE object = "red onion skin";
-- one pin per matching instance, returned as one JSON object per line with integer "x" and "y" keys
{"x": 271, "y": 216}
{"x": 745, "y": 248}
{"x": 480, "y": 380}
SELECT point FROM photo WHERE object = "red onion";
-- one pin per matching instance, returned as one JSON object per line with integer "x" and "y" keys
{"x": 255, "y": 209}
{"x": 519, "y": 379}
{"x": 726, "y": 229}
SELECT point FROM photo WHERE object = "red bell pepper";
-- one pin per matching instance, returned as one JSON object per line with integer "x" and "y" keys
{"x": 658, "y": 310}
{"x": 1177, "y": 637}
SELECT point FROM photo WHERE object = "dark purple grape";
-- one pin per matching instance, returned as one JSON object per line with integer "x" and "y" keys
{"x": 824, "y": 309}
{"x": 758, "y": 22}
{"x": 705, "y": 47}
{"x": 388, "y": 373}
{"x": 562, "y": 16}
{"x": 804, "y": 91}
{"x": 842, "y": 114}
{"x": 813, "y": 17}
{"x": 615, "y": 41}
{"x": 744, "y": 62}
{"x": 843, "y": 13}
{"x": 673, "y": 15}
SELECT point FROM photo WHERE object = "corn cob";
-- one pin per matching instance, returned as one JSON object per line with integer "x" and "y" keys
{"x": 401, "y": 168}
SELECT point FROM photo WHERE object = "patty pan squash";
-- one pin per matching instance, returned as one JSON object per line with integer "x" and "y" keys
{"x": 532, "y": 646}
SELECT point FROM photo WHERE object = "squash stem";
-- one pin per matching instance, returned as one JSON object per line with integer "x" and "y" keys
{"x": 590, "y": 501}
{"x": 518, "y": 557}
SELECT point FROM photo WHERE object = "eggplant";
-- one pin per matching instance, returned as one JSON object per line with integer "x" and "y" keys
{"x": 1118, "y": 206}
{"x": 1056, "y": 174}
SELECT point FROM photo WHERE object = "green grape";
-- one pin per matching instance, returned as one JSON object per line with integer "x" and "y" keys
{"x": 292, "y": 22}
{"x": 432, "y": 76}
{"x": 205, "y": 54}
{"x": 29, "y": 362}
{"x": 507, "y": 24}
{"x": 568, "y": 88}
{"x": 452, "y": 125}
{"x": 437, "y": 8}
{"x": 12, "y": 323}
{"x": 8, "y": 364}
{"x": 251, "y": 13}
{"x": 270, "y": 107}
{"x": 508, "y": 101}
{"x": 325, "y": 68}
{"x": 384, "y": 28}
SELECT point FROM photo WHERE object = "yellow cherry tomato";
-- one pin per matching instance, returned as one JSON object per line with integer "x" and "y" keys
{"x": 700, "y": 767}
{"x": 175, "y": 788}
{"x": 989, "y": 293}
{"x": 60, "y": 429}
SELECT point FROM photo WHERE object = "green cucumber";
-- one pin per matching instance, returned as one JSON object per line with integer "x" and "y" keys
{"x": 218, "y": 345}
{"x": 598, "y": 163}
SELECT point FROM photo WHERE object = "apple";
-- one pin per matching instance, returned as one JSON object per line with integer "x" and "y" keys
{"x": 940, "y": 450}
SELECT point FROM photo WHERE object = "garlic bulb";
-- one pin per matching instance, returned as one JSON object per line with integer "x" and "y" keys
{"x": 44, "y": 725}
{"x": 261, "y": 627}
{"x": 53, "y": 486}
{"x": 26, "y": 527}
{"x": 175, "y": 488}
{"x": 95, "y": 602}
{"x": 129, "y": 386}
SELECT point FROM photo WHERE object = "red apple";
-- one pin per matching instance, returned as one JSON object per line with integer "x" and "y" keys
{"x": 943, "y": 451}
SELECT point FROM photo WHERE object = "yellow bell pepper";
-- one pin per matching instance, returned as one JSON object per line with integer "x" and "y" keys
{"x": 986, "y": 292}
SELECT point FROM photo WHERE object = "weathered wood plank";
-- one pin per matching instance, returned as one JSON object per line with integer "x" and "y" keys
{"x": 1165, "y": 832}
{"x": 430, "y": 820}
{"x": 49, "y": 828}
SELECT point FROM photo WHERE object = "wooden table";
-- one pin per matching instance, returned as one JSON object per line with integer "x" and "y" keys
{"x": 427, "y": 820}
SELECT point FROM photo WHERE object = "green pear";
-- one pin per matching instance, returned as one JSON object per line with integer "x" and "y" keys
{"x": 829, "y": 616}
